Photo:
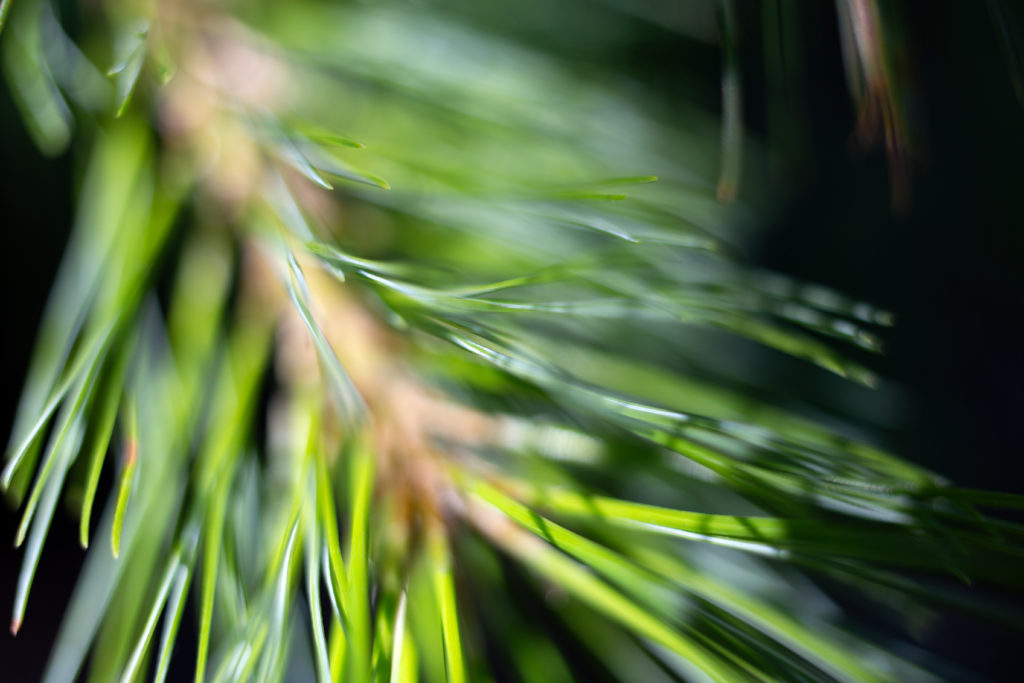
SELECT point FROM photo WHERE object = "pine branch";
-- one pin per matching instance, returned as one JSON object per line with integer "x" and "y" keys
{"x": 490, "y": 376}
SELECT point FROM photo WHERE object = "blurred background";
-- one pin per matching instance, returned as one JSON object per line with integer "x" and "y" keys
{"x": 950, "y": 265}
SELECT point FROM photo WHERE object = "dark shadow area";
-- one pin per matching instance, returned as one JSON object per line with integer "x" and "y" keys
{"x": 950, "y": 267}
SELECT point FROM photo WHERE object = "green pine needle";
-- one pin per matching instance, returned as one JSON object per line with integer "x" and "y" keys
{"x": 444, "y": 591}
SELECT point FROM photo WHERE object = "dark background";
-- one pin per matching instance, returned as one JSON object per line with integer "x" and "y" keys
{"x": 950, "y": 267}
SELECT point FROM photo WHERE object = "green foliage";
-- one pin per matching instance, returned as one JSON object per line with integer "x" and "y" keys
{"x": 503, "y": 353}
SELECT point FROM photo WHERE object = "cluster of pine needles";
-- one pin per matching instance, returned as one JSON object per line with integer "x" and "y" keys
{"x": 404, "y": 344}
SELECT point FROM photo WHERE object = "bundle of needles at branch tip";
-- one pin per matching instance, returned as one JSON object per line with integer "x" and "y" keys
{"x": 413, "y": 350}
